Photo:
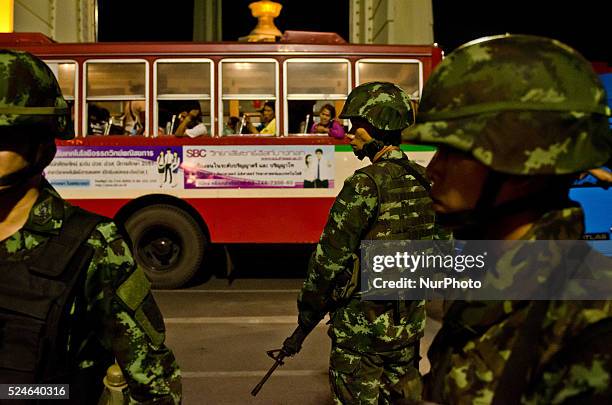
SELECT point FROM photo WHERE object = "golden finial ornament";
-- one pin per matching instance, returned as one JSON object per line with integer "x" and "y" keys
{"x": 265, "y": 11}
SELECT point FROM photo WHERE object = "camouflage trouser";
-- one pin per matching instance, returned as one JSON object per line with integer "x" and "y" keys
{"x": 374, "y": 378}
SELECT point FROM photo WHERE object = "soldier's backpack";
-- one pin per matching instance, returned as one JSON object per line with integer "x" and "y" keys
{"x": 35, "y": 298}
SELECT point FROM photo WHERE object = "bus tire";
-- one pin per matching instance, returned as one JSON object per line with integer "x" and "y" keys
{"x": 168, "y": 244}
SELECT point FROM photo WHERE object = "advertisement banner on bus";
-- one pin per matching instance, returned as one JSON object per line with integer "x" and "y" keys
{"x": 267, "y": 166}
{"x": 193, "y": 167}
{"x": 113, "y": 167}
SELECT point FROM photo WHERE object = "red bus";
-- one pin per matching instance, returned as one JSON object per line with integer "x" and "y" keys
{"x": 176, "y": 195}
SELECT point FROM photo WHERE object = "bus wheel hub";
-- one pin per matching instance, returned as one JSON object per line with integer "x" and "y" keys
{"x": 162, "y": 252}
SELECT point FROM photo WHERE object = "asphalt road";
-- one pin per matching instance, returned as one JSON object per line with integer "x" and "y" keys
{"x": 220, "y": 328}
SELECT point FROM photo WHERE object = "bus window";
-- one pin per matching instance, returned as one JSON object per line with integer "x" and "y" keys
{"x": 182, "y": 86}
{"x": 116, "y": 89}
{"x": 406, "y": 73}
{"x": 311, "y": 84}
{"x": 247, "y": 85}
{"x": 65, "y": 73}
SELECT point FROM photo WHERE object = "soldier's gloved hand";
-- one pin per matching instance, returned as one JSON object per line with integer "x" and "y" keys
{"x": 293, "y": 344}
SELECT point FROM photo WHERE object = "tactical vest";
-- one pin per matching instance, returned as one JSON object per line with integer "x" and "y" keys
{"x": 35, "y": 298}
{"x": 404, "y": 207}
{"x": 404, "y": 212}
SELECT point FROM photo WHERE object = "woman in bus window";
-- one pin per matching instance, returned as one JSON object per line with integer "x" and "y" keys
{"x": 328, "y": 123}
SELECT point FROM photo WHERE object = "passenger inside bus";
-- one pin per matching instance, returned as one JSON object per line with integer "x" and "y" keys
{"x": 327, "y": 123}
{"x": 134, "y": 117}
{"x": 316, "y": 117}
{"x": 232, "y": 126}
{"x": 169, "y": 114}
{"x": 98, "y": 119}
{"x": 268, "y": 124}
{"x": 300, "y": 111}
{"x": 191, "y": 124}
{"x": 105, "y": 118}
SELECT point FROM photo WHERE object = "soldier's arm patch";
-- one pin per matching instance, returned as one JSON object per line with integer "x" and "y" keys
{"x": 134, "y": 289}
{"x": 135, "y": 293}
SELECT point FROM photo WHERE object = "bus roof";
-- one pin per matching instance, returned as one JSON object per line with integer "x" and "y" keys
{"x": 294, "y": 42}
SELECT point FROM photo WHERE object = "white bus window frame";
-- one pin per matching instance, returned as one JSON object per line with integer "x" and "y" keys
{"x": 87, "y": 99}
{"x": 248, "y": 96}
{"x": 75, "y": 98}
{"x": 317, "y": 97}
{"x": 178, "y": 97}
{"x": 401, "y": 61}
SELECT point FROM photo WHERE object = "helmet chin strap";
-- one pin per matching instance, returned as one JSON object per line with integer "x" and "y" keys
{"x": 468, "y": 224}
{"x": 369, "y": 150}
{"x": 471, "y": 224}
{"x": 21, "y": 176}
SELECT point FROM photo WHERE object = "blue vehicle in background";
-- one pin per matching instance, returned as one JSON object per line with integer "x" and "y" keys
{"x": 595, "y": 196}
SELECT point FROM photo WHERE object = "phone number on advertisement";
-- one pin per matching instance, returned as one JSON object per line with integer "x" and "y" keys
{"x": 34, "y": 391}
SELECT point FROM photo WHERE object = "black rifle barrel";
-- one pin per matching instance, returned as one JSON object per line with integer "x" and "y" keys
{"x": 278, "y": 361}
{"x": 298, "y": 335}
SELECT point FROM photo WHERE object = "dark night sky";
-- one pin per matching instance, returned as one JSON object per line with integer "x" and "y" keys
{"x": 583, "y": 25}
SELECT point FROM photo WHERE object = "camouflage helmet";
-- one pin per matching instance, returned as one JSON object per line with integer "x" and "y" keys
{"x": 519, "y": 104}
{"x": 384, "y": 105}
{"x": 30, "y": 97}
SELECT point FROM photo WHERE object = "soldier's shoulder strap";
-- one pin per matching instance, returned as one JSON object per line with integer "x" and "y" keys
{"x": 60, "y": 249}
{"x": 373, "y": 171}
{"x": 64, "y": 257}
{"x": 410, "y": 168}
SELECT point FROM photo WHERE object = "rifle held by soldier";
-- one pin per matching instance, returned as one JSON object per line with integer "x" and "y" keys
{"x": 291, "y": 346}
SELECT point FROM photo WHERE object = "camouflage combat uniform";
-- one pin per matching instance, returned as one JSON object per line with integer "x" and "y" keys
{"x": 521, "y": 105}
{"x": 114, "y": 311}
{"x": 469, "y": 353}
{"x": 374, "y": 356}
{"x": 111, "y": 314}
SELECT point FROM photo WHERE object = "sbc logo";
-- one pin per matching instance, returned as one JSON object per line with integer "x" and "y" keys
{"x": 196, "y": 153}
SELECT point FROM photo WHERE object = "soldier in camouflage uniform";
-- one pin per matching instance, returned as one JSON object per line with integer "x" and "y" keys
{"x": 375, "y": 344}
{"x": 515, "y": 118}
{"x": 110, "y": 313}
